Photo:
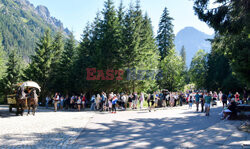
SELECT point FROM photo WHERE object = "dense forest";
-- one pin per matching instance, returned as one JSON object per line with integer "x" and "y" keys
{"x": 120, "y": 42}
{"x": 22, "y": 25}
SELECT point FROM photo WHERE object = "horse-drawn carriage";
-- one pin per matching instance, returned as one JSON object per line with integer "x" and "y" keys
{"x": 25, "y": 97}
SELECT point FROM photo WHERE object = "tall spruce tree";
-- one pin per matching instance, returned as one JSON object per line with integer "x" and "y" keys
{"x": 110, "y": 38}
{"x": 56, "y": 53}
{"x": 183, "y": 55}
{"x": 149, "y": 55}
{"x": 14, "y": 73}
{"x": 2, "y": 59}
{"x": 165, "y": 35}
{"x": 65, "y": 66}
{"x": 185, "y": 69}
{"x": 132, "y": 39}
{"x": 82, "y": 62}
{"x": 40, "y": 67}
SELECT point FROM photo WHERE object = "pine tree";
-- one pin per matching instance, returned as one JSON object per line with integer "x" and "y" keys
{"x": 132, "y": 39}
{"x": 183, "y": 55}
{"x": 2, "y": 59}
{"x": 14, "y": 73}
{"x": 83, "y": 61}
{"x": 40, "y": 67}
{"x": 149, "y": 55}
{"x": 165, "y": 35}
{"x": 56, "y": 51}
{"x": 57, "y": 48}
{"x": 65, "y": 66}
{"x": 110, "y": 36}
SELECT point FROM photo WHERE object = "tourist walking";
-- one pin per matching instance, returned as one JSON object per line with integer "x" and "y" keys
{"x": 237, "y": 97}
{"x": 202, "y": 100}
{"x": 47, "y": 102}
{"x": 220, "y": 96}
{"x": 224, "y": 100}
{"x": 152, "y": 101}
{"x": 56, "y": 99}
{"x": 83, "y": 101}
{"x": 92, "y": 108}
{"x": 97, "y": 101}
{"x": 141, "y": 100}
{"x": 197, "y": 101}
{"x": 61, "y": 102}
{"x": 79, "y": 103}
{"x": 190, "y": 100}
{"x": 171, "y": 99}
{"x": 208, "y": 100}
{"x": 114, "y": 101}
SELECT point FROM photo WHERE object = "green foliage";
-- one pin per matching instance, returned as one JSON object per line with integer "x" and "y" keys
{"x": 219, "y": 75}
{"x": 65, "y": 67}
{"x": 185, "y": 69}
{"x": 172, "y": 68}
{"x": 116, "y": 40}
{"x": 56, "y": 53}
{"x": 21, "y": 27}
{"x": 13, "y": 73}
{"x": 183, "y": 55}
{"x": 2, "y": 59}
{"x": 165, "y": 35}
{"x": 231, "y": 19}
{"x": 198, "y": 69}
{"x": 40, "y": 68}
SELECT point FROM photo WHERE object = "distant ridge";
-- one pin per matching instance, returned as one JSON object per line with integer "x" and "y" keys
{"x": 22, "y": 25}
{"x": 193, "y": 40}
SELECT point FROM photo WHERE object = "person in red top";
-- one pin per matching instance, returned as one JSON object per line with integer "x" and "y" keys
{"x": 237, "y": 96}
{"x": 83, "y": 101}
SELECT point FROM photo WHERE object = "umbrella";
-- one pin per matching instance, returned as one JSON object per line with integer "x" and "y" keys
{"x": 31, "y": 84}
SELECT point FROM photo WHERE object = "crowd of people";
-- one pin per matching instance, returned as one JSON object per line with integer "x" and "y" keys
{"x": 111, "y": 101}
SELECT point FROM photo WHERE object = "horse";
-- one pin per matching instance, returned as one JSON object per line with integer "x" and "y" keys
{"x": 20, "y": 101}
{"x": 32, "y": 101}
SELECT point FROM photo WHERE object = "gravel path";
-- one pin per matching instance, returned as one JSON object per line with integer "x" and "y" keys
{"x": 178, "y": 127}
{"x": 45, "y": 130}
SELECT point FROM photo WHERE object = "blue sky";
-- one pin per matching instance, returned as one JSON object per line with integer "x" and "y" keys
{"x": 76, "y": 13}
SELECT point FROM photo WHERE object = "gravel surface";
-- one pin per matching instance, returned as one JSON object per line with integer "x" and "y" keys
{"x": 47, "y": 129}
{"x": 177, "y": 127}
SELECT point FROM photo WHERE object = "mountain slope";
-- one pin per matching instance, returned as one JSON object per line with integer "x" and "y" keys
{"x": 22, "y": 25}
{"x": 193, "y": 40}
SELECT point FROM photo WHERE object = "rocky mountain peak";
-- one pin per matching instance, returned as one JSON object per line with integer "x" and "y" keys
{"x": 43, "y": 11}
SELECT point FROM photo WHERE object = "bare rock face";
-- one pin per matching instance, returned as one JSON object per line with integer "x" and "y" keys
{"x": 43, "y": 12}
